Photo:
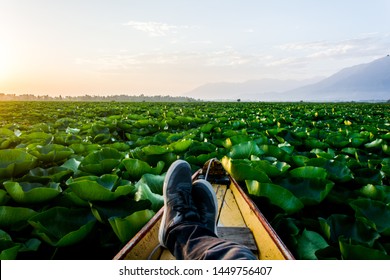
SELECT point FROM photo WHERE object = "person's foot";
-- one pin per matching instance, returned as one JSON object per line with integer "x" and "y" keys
{"x": 206, "y": 202}
{"x": 178, "y": 203}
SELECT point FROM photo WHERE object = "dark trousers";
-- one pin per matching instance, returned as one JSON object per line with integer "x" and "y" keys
{"x": 189, "y": 241}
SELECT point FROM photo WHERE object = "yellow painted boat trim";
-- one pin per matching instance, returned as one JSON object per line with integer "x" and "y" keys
{"x": 236, "y": 209}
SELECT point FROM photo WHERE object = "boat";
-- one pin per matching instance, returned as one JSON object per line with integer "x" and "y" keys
{"x": 239, "y": 220}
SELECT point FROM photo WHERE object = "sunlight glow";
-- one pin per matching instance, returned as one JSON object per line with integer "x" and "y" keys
{"x": 3, "y": 61}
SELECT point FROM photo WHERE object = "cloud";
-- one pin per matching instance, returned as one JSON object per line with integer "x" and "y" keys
{"x": 155, "y": 29}
{"x": 123, "y": 60}
{"x": 367, "y": 45}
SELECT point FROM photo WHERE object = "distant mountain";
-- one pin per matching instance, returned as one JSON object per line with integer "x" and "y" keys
{"x": 370, "y": 81}
{"x": 249, "y": 90}
{"x": 364, "y": 82}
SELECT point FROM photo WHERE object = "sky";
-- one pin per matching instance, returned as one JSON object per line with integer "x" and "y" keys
{"x": 96, "y": 47}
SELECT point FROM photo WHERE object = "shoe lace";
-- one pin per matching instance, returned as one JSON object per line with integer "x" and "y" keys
{"x": 185, "y": 206}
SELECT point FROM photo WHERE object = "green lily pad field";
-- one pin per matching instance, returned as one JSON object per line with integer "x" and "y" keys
{"x": 79, "y": 179}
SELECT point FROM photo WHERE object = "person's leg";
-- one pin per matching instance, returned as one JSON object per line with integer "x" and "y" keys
{"x": 178, "y": 204}
{"x": 190, "y": 241}
{"x": 188, "y": 225}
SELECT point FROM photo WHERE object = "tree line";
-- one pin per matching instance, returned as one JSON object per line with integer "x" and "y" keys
{"x": 107, "y": 98}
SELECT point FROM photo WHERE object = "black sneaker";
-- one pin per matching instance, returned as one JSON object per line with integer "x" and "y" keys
{"x": 206, "y": 202}
{"x": 178, "y": 204}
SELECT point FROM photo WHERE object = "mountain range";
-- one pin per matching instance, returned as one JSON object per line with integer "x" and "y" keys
{"x": 363, "y": 82}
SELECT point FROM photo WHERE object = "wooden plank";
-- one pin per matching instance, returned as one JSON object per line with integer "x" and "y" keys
{"x": 240, "y": 235}
{"x": 220, "y": 191}
{"x": 230, "y": 214}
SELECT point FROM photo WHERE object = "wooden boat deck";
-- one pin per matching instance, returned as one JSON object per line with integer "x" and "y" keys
{"x": 239, "y": 220}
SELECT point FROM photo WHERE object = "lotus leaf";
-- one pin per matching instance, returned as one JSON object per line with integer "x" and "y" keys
{"x": 376, "y": 192}
{"x": 351, "y": 250}
{"x": 386, "y": 166}
{"x": 338, "y": 225}
{"x": 7, "y": 138}
{"x": 4, "y": 197}
{"x": 199, "y": 160}
{"x": 126, "y": 228}
{"x": 155, "y": 182}
{"x": 41, "y": 138}
{"x": 121, "y": 207}
{"x": 276, "y": 152}
{"x": 337, "y": 140}
{"x": 71, "y": 164}
{"x": 136, "y": 168}
{"x": 101, "y": 162}
{"x": 155, "y": 150}
{"x": 181, "y": 145}
{"x": 375, "y": 214}
{"x": 310, "y": 191}
{"x": 144, "y": 193}
{"x": 8, "y": 250}
{"x": 25, "y": 192}
{"x": 337, "y": 170}
{"x": 15, "y": 162}
{"x": 245, "y": 150}
{"x": 243, "y": 169}
{"x": 14, "y": 217}
{"x": 105, "y": 188}
{"x": 377, "y": 143}
{"x": 308, "y": 244}
{"x": 309, "y": 172}
{"x": 84, "y": 149}
{"x": 206, "y": 128}
{"x": 277, "y": 195}
{"x": 201, "y": 148}
{"x": 366, "y": 176}
{"x": 271, "y": 169}
{"x": 41, "y": 175}
{"x": 60, "y": 226}
{"x": 51, "y": 152}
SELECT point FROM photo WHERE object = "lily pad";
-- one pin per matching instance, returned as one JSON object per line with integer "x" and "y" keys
{"x": 181, "y": 145}
{"x": 309, "y": 172}
{"x": 15, "y": 162}
{"x": 338, "y": 225}
{"x": 105, "y": 188}
{"x": 155, "y": 182}
{"x": 136, "y": 168}
{"x": 244, "y": 169}
{"x": 126, "y": 228}
{"x": 14, "y": 217}
{"x": 25, "y": 192}
{"x": 55, "y": 174}
{"x": 337, "y": 170}
{"x": 101, "y": 162}
{"x": 277, "y": 195}
{"x": 308, "y": 244}
{"x": 310, "y": 191}
{"x": 121, "y": 207}
{"x": 144, "y": 193}
{"x": 245, "y": 150}
{"x": 374, "y": 213}
{"x": 60, "y": 226}
{"x": 351, "y": 250}
{"x": 4, "y": 197}
{"x": 51, "y": 152}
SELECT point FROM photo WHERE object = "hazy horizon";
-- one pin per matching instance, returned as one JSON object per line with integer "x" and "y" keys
{"x": 171, "y": 47}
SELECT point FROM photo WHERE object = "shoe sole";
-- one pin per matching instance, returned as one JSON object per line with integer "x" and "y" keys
{"x": 209, "y": 188}
{"x": 161, "y": 233}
